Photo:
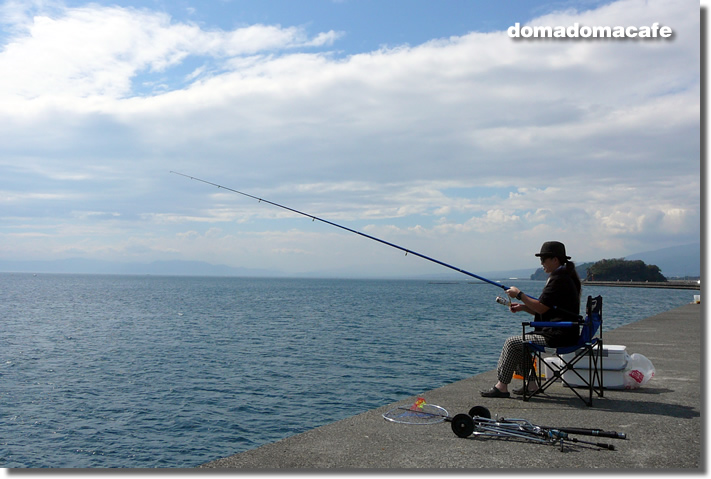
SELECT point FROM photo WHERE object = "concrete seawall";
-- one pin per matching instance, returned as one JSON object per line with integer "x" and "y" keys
{"x": 662, "y": 420}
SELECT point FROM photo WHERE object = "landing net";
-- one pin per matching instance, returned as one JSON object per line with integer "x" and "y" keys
{"x": 418, "y": 413}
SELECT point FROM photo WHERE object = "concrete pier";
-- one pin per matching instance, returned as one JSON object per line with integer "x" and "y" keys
{"x": 662, "y": 420}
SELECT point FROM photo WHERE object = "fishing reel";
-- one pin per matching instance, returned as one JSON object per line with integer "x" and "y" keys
{"x": 505, "y": 301}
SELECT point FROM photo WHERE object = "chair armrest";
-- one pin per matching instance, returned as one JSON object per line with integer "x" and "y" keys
{"x": 552, "y": 324}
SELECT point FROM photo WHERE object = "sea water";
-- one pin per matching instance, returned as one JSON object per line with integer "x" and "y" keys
{"x": 146, "y": 371}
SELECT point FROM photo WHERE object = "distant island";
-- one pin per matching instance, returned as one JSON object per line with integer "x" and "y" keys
{"x": 618, "y": 269}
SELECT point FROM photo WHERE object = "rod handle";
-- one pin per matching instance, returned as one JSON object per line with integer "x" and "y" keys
{"x": 593, "y": 432}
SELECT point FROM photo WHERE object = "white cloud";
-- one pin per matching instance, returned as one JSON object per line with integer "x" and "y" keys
{"x": 97, "y": 51}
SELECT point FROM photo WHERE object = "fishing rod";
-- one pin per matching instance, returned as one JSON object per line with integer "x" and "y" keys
{"x": 407, "y": 251}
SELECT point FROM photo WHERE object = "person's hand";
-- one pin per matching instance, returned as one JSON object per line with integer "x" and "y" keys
{"x": 513, "y": 291}
{"x": 516, "y": 307}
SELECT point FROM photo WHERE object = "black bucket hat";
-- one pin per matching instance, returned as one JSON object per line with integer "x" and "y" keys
{"x": 553, "y": 248}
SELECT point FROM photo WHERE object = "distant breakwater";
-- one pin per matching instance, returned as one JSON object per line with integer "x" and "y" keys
{"x": 684, "y": 284}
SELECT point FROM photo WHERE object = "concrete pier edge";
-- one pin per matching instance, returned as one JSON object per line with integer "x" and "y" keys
{"x": 663, "y": 420}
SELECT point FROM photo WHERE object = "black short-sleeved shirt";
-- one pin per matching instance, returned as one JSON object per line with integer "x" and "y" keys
{"x": 561, "y": 296}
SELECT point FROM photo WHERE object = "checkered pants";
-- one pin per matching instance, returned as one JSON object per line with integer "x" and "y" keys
{"x": 513, "y": 358}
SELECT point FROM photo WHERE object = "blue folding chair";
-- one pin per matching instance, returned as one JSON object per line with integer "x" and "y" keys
{"x": 589, "y": 345}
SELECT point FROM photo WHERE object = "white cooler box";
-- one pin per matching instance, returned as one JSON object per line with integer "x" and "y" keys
{"x": 614, "y": 362}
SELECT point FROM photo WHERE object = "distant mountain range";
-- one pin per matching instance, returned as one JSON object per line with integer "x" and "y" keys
{"x": 677, "y": 261}
{"x": 167, "y": 268}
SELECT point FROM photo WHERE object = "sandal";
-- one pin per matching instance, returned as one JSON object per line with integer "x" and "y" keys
{"x": 494, "y": 393}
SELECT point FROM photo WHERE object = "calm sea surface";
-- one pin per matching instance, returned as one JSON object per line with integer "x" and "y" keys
{"x": 146, "y": 371}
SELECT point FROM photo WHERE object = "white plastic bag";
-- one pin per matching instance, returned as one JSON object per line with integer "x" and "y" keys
{"x": 638, "y": 372}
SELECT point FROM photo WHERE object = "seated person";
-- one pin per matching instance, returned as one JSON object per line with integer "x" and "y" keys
{"x": 558, "y": 301}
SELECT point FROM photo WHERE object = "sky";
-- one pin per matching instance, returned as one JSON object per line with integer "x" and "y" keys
{"x": 421, "y": 123}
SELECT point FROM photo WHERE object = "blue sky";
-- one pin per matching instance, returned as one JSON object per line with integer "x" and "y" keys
{"x": 421, "y": 123}
{"x": 366, "y": 24}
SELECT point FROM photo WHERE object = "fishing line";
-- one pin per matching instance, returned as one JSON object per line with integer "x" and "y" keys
{"x": 407, "y": 251}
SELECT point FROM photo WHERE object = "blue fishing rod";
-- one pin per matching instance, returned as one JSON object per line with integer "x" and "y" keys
{"x": 407, "y": 251}
{"x": 505, "y": 301}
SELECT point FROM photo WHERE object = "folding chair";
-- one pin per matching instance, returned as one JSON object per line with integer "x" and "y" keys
{"x": 589, "y": 345}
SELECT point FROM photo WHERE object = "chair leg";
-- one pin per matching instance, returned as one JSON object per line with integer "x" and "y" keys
{"x": 591, "y": 378}
{"x": 526, "y": 397}
{"x": 599, "y": 371}
{"x": 536, "y": 358}
{"x": 592, "y": 374}
{"x": 595, "y": 368}
{"x": 587, "y": 402}
{"x": 602, "y": 388}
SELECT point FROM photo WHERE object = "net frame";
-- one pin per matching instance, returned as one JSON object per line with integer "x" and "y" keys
{"x": 417, "y": 415}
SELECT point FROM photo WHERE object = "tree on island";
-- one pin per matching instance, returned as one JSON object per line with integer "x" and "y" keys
{"x": 623, "y": 270}
{"x": 613, "y": 270}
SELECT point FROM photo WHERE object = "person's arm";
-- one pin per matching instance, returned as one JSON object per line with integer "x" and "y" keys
{"x": 529, "y": 304}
